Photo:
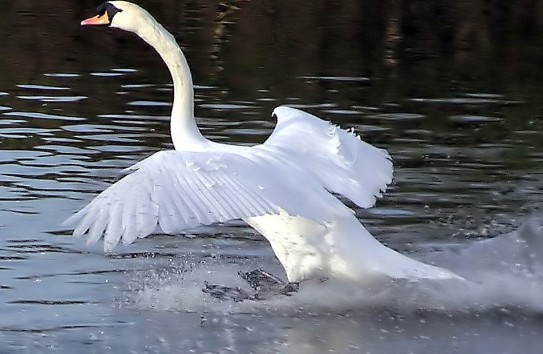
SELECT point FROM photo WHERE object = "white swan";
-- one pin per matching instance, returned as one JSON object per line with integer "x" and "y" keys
{"x": 282, "y": 188}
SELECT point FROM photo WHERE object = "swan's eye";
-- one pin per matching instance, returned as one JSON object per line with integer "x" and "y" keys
{"x": 101, "y": 9}
{"x": 109, "y": 8}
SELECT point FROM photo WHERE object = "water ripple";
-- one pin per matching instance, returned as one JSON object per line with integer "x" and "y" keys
{"x": 49, "y": 302}
{"x": 342, "y": 111}
{"x": 474, "y": 119}
{"x": 87, "y": 128}
{"x": 57, "y": 99}
{"x": 62, "y": 75}
{"x": 38, "y": 115}
{"x": 397, "y": 116}
{"x": 43, "y": 87}
{"x": 149, "y": 104}
{"x": 226, "y": 106}
{"x": 107, "y": 74}
{"x": 337, "y": 78}
{"x": 466, "y": 101}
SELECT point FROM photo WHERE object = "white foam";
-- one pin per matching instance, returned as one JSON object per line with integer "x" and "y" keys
{"x": 503, "y": 273}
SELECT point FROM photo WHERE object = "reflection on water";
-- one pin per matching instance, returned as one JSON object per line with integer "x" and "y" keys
{"x": 458, "y": 108}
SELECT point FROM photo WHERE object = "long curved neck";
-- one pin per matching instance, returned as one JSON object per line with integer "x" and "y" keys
{"x": 185, "y": 134}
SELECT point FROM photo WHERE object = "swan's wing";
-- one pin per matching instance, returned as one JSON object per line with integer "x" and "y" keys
{"x": 181, "y": 190}
{"x": 340, "y": 159}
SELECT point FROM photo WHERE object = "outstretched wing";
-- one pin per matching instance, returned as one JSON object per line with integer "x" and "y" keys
{"x": 181, "y": 190}
{"x": 343, "y": 162}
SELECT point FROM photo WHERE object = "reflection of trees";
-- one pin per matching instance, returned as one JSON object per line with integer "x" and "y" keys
{"x": 408, "y": 48}
{"x": 223, "y": 21}
{"x": 42, "y": 34}
{"x": 273, "y": 41}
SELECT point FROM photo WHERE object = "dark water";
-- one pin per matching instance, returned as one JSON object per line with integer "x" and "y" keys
{"x": 453, "y": 92}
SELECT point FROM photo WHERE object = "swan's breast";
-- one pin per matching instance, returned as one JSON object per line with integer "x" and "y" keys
{"x": 298, "y": 243}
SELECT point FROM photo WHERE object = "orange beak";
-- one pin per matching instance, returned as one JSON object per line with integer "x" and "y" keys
{"x": 97, "y": 20}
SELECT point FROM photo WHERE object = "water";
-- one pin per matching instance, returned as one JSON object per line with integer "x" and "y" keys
{"x": 461, "y": 119}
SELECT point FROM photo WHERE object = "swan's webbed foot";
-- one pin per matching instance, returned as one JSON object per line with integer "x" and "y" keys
{"x": 289, "y": 289}
{"x": 226, "y": 293}
{"x": 286, "y": 290}
{"x": 266, "y": 285}
{"x": 261, "y": 280}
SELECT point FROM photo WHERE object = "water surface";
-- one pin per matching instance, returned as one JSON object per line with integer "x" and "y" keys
{"x": 459, "y": 112}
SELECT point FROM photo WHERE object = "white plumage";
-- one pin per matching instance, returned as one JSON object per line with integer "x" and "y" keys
{"x": 282, "y": 188}
{"x": 178, "y": 191}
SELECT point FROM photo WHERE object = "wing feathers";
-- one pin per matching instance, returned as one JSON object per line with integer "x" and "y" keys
{"x": 180, "y": 190}
{"x": 340, "y": 159}
{"x": 294, "y": 170}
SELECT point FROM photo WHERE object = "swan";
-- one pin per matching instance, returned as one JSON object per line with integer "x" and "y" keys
{"x": 284, "y": 188}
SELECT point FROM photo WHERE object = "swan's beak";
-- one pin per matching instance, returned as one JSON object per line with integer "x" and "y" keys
{"x": 97, "y": 21}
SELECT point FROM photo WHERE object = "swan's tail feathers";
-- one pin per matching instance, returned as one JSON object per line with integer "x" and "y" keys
{"x": 392, "y": 264}
{"x": 423, "y": 271}
{"x": 363, "y": 257}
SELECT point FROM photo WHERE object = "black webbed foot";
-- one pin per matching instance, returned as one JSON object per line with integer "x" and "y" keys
{"x": 261, "y": 280}
{"x": 289, "y": 289}
{"x": 266, "y": 286}
{"x": 226, "y": 293}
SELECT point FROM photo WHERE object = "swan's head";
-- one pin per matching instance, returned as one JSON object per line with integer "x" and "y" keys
{"x": 119, "y": 14}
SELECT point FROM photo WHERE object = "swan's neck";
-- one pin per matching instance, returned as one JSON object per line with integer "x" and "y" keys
{"x": 185, "y": 134}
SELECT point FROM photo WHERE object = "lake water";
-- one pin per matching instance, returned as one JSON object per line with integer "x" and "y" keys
{"x": 458, "y": 107}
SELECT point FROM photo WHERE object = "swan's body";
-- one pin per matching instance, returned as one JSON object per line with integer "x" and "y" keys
{"x": 282, "y": 188}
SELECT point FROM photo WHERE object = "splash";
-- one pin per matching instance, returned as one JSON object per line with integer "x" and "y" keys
{"x": 503, "y": 274}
